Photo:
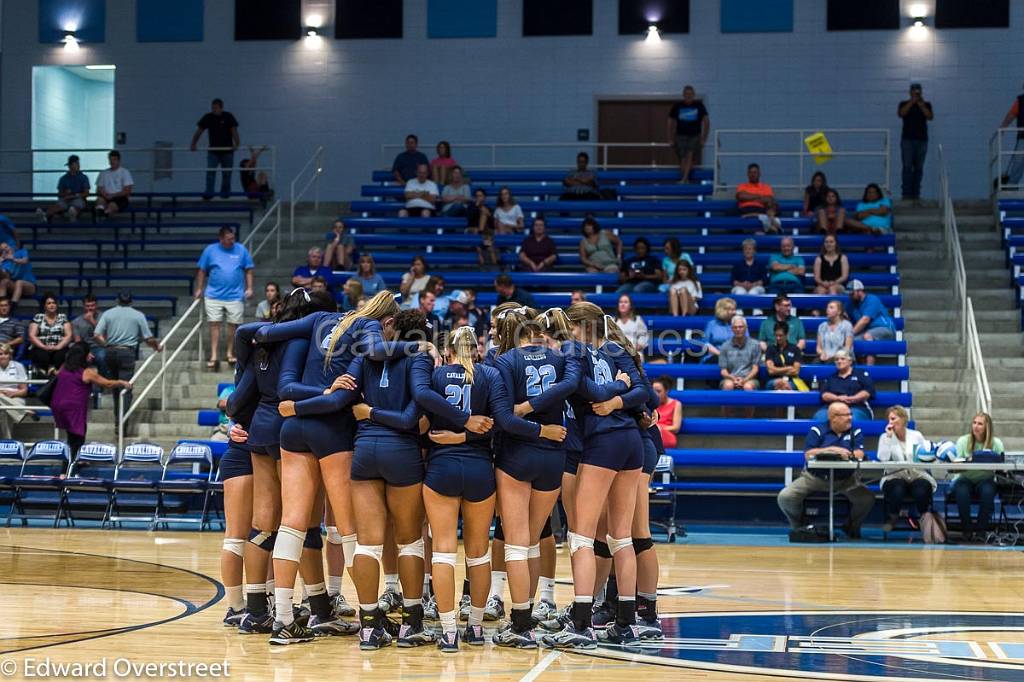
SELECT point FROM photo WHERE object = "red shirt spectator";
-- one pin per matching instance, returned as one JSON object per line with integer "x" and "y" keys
{"x": 538, "y": 253}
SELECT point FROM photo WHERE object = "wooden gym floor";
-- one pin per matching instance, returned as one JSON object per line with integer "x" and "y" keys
{"x": 743, "y": 612}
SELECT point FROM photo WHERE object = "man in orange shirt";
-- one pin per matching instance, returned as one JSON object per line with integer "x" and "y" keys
{"x": 1015, "y": 169}
{"x": 757, "y": 199}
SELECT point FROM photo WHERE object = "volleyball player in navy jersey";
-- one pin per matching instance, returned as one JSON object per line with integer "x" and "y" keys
{"x": 528, "y": 471}
{"x": 460, "y": 474}
{"x": 608, "y": 473}
{"x": 647, "y": 567}
{"x": 317, "y": 450}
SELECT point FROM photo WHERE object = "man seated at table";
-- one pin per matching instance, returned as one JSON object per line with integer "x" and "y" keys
{"x": 835, "y": 437}
{"x": 849, "y": 386}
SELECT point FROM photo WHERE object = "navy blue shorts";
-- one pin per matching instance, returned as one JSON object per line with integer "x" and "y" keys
{"x": 471, "y": 478}
{"x": 541, "y": 467}
{"x": 650, "y": 455}
{"x": 572, "y": 461}
{"x": 618, "y": 450}
{"x": 235, "y": 461}
{"x": 273, "y": 450}
{"x": 396, "y": 461}
{"x": 322, "y": 435}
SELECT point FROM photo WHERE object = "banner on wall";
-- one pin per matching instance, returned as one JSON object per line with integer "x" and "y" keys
{"x": 819, "y": 147}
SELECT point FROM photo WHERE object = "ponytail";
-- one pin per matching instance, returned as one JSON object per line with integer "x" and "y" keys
{"x": 512, "y": 325}
{"x": 382, "y": 305}
{"x": 555, "y": 324}
{"x": 462, "y": 343}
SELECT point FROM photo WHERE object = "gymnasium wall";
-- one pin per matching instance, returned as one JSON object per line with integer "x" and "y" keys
{"x": 353, "y": 95}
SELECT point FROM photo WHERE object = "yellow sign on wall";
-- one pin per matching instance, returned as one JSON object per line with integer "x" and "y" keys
{"x": 819, "y": 147}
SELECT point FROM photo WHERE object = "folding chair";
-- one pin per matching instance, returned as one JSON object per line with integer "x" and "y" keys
{"x": 664, "y": 473}
{"x": 40, "y": 484}
{"x": 88, "y": 487}
{"x": 12, "y": 456}
{"x": 188, "y": 471}
{"x": 134, "y": 496}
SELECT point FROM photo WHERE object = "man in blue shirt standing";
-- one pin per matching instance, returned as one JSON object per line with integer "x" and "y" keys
{"x": 871, "y": 321}
{"x": 224, "y": 278}
{"x": 72, "y": 191}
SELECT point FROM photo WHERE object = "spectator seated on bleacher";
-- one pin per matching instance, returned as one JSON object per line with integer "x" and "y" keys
{"x": 413, "y": 282}
{"x": 783, "y": 315}
{"x": 509, "y": 292}
{"x": 478, "y": 217}
{"x": 835, "y": 333}
{"x": 814, "y": 194}
{"x": 220, "y": 433}
{"x": 404, "y": 167}
{"x": 83, "y": 330}
{"x": 338, "y": 252}
{"x": 303, "y": 275}
{"x": 538, "y": 252}
{"x": 16, "y": 270}
{"x": 441, "y": 300}
{"x": 463, "y": 311}
{"x": 12, "y": 331}
{"x": 873, "y": 214}
{"x": 684, "y": 292}
{"x": 848, "y": 386}
{"x": 836, "y": 437}
{"x": 442, "y": 165}
{"x": 367, "y": 275}
{"x": 756, "y": 199}
{"x": 427, "y": 300}
{"x": 641, "y": 272}
{"x": 749, "y": 274}
{"x": 13, "y": 390}
{"x": 900, "y": 444}
{"x": 739, "y": 359}
{"x": 786, "y": 270}
{"x": 581, "y": 184}
{"x": 421, "y": 195}
{"x": 267, "y": 308}
{"x": 577, "y": 296}
{"x": 351, "y": 295}
{"x": 49, "y": 334}
{"x": 670, "y": 412}
{"x": 831, "y": 268}
{"x": 113, "y": 187}
{"x": 455, "y": 197}
{"x": 782, "y": 360}
{"x": 600, "y": 250}
{"x": 871, "y": 320}
{"x": 982, "y": 484}
{"x": 320, "y": 283}
{"x": 831, "y": 217}
{"x": 72, "y": 193}
{"x": 508, "y": 215}
{"x": 674, "y": 253}
{"x": 632, "y": 324}
{"x": 718, "y": 330}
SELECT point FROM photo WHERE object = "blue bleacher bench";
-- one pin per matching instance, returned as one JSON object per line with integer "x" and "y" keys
{"x": 596, "y": 206}
{"x": 712, "y": 426}
{"x": 553, "y": 189}
{"x": 649, "y": 301}
{"x": 812, "y": 399}
{"x": 710, "y": 372}
{"x": 660, "y": 346}
{"x": 529, "y": 175}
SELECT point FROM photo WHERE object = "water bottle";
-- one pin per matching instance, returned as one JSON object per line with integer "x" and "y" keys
{"x": 814, "y": 382}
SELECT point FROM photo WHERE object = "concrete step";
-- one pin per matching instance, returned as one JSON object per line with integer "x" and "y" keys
{"x": 1006, "y": 326}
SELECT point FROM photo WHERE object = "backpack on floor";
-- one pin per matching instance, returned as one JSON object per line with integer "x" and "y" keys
{"x": 933, "y": 529}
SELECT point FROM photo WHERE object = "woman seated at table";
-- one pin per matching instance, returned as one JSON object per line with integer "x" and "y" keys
{"x": 977, "y": 482}
{"x": 899, "y": 444}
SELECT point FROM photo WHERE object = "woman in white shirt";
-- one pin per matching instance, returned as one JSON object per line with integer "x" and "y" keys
{"x": 508, "y": 215}
{"x": 13, "y": 389}
{"x": 835, "y": 332}
{"x": 685, "y": 290}
{"x": 632, "y": 325}
{"x": 413, "y": 282}
{"x": 900, "y": 444}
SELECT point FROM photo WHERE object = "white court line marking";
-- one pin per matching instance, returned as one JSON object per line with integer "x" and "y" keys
{"x": 538, "y": 669}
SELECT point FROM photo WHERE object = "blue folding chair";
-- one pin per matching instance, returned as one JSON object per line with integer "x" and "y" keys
{"x": 12, "y": 456}
{"x": 188, "y": 471}
{"x": 664, "y": 473}
{"x": 39, "y": 487}
{"x": 134, "y": 495}
{"x": 88, "y": 487}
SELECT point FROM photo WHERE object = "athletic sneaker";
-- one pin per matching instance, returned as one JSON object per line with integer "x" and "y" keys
{"x": 508, "y": 637}
{"x": 558, "y": 620}
{"x": 373, "y": 638}
{"x": 293, "y": 633}
{"x": 340, "y": 607}
{"x": 543, "y": 610}
{"x": 571, "y": 638}
{"x": 429, "y": 608}
{"x": 389, "y": 601}
{"x": 603, "y": 614}
{"x": 494, "y": 609}
{"x": 649, "y": 629}
{"x": 619, "y": 634}
{"x": 233, "y": 618}
{"x": 465, "y": 604}
{"x": 448, "y": 643}
{"x": 331, "y": 628}
{"x": 253, "y": 625}
{"x": 473, "y": 635}
{"x": 415, "y": 635}
{"x": 301, "y": 614}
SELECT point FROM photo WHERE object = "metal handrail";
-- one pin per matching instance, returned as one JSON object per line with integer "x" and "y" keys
{"x": 275, "y": 210}
{"x": 995, "y": 159}
{"x": 983, "y": 396}
{"x": 161, "y": 374}
{"x": 318, "y": 158}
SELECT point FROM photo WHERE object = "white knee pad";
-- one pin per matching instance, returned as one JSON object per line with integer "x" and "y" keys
{"x": 479, "y": 561}
{"x": 289, "y": 544}
{"x": 447, "y": 558}
{"x": 234, "y": 545}
{"x": 375, "y": 552}
{"x": 333, "y": 536}
{"x": 348, "y": 546}
{"x": 534, "y": 551}
{"x": 615, "y": 544}
{"x": 516, "y": 553}
{"x": 578, "y": 542}
{"x": 412, "y": 549}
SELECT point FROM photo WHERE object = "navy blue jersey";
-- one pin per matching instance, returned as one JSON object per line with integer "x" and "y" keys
{"x": 545, "y": 378}
{"x": 598, "y": 383}
{"x": 449, "y": 401}
{"x": 491, "y": 356}
{"x": 651, "y": 405}
{"x": 309, "y": 379}
{"x": 573, "y": 429}
{"x": 266, "y": 422}
{"x": 242, "y": 403}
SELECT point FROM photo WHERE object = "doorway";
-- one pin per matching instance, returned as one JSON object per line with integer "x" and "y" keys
{"x": 72, "y": 110}
{"x": 636, "y": 120}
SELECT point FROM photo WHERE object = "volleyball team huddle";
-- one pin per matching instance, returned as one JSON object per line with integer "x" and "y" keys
{"x": 356, "y": 422}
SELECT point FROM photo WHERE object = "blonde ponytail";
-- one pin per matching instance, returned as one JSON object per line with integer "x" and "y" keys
{"x": 462, "y": 344}
{"x": 381, "y": 306}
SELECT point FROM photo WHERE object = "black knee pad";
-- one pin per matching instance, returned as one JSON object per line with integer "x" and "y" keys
{"x": 314, "y": 540}
{"x": 263, "y": 539}
{"x": 642, "y": 544}
{"x": 499, "y": 534}
{"x": 546, "y": 531}
{"x": 601, "y": 550}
